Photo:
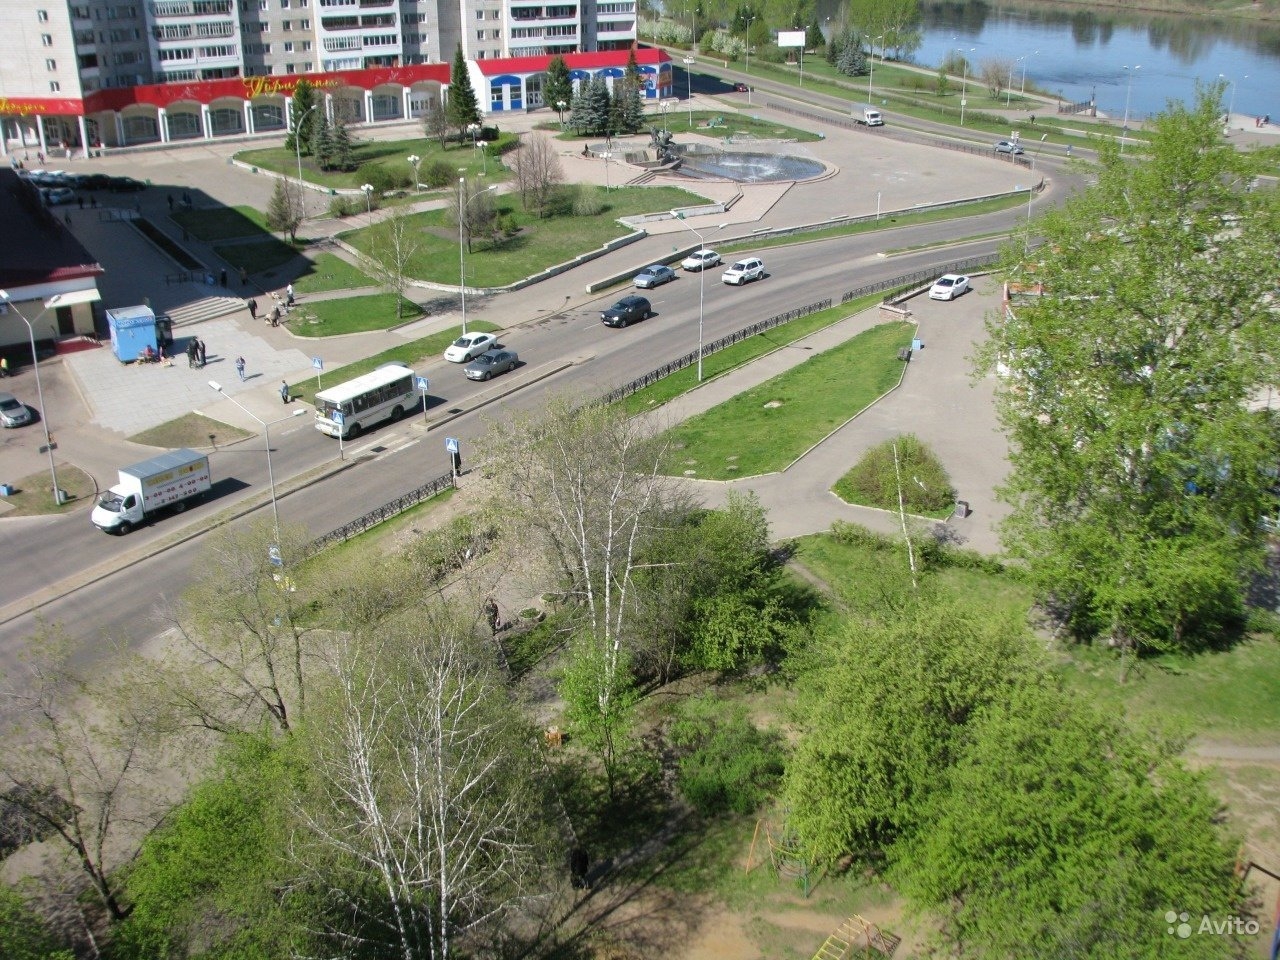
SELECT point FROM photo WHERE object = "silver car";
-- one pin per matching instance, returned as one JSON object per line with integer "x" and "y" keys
{"x": 13, "y": 412}
{"x": 491, "y": 364}
{"x": 654, "y": 276}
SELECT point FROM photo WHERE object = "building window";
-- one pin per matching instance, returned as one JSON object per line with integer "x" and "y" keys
{"x": 479, "y": 14}
{"x": 54, "y": 86}
{"x": 288, "y": 68}
{"x": 304, "y": 24}
{"x": 495, "y": 14}
{"x": 480, "y": 55}
{"x": 286, "y": 25}
{"x": 306, "y": 46}
{"x": 288, "y": 46}
{"x": 479, "y": 34}
{"x": 51, "y": 65}
{"x": 42, "y": 16}
{"x": 284, "y": 4}
{"x": 46, "y": 39}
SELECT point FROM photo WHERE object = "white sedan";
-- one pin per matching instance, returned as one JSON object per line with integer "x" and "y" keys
{"x": 469, "y": 346}
{"x": 948, "y": 287}
{"x": 701, "y": 260}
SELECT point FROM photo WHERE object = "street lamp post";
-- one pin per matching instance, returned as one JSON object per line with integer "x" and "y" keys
{"x": 560, "y": 108}
{"x": 415, "y": 161}
{"x": 266, "y": 433}
{"x": 35, "y": 365}
{"x": 871, "y": 61}
{"x": 1022, "y": 92}
{"x": 474, "y": 130}
{"x": 463, "y": 202}
{"x": 297, "y": 146}
{"x": 1128, "y": 87}
{"x": 1231, "y": 108}
{"x": 749, "y": 23}
{"x": 702, "y": 279}
{"x": 964, "y": 82}
{"x": 1008, "y": 94}
{"x": 368, "y": 197}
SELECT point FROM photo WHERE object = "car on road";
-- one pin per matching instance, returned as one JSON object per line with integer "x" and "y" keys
{"x": 740, "y": 88}
{"x": 490, "y": 364}
{"x": 948, "y": 287}
{"x": 125, "y": 185}
{"x": 93, "y": 181}
{"x": 701, "y": 260}
{"x": 13, "y": 412}
{"x": 743, "y": 271}
{"x": 625, "y": 311}
{"x": 654, "y": 276}
{"x": 1008, "y": 146}
{"x": 469, "y": 346}
{"x": 53, "y": 196}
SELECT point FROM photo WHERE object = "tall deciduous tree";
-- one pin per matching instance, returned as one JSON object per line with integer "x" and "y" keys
{"x": 537, "y": 172}
{"x": 474, "y": 210}
{"x": 423, "y": 813}
{"x": 462, "y": 107}
{"x": 393, "y": 245}
{"x": 884, "y": 708}
{"x": 435, "y": 122}
{"x": 1057, "y": 833}
{"x": 1140, "y": 473}
{"x": 586, "y": 482}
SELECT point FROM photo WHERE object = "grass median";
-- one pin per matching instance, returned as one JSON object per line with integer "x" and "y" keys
{"x": 412, "y": 353}
{"x": 334, "y": 318}
{"x": 730, "y": 358}
{"x": 767, "y": 427}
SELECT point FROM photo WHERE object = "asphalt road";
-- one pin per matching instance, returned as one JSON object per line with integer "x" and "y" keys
{"x": 396, "y": 458}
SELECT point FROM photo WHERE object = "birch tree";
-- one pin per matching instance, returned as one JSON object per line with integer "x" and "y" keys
{"x": 585, "y": 482}
{"x": 78, "y": 766}
{"x": 394, "y": 244}
{"x": 241, "y": 646}
{"x": 537, "y": 172}
{"x": 422, "y": 815}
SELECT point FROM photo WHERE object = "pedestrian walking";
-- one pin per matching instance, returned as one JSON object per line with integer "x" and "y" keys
{"x": 40, "y": 157}
{"x": 66, "y": 218}
{"x": 93, "y": 203}
{"x": 240, "y": 368}
{"x": 191, "y": 353}
{"x": 275, "y": 315}
{"x": 491, "y": 615}
{"x": 200, "y": 351}
{"x": 244, "y": 277}
{"x": 284, "y": 392}
{"x": 170, "y": 199}
{"x": 4, "y": 367}
{"x": 253, "y": 309}
{"x": 288, "y": 295}
{"x": 224, "y": 276}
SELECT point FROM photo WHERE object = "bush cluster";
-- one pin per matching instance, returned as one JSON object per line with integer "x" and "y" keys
{"x": 925, "y": 485}
{"x": 728, "y": 765}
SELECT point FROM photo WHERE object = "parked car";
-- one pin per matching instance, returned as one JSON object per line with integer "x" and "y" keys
{"x": 53, "y": 196}
{"x": 469, "y": 346}
{"x": 1008, "y": 146}
{"x": 654, "y": 276}
{"x": 125, "y": 185}
{"x": 94, "y": 181}
{"x": 13, "y": 412}
{"x": 625, "y": 311}
{"x": 948, "y": 287}
{"x": 491, "y": 364}
{"x": 744, "y": 271}
{"x": 701, "y": 260}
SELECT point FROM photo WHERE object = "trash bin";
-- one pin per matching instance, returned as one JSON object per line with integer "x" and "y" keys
{"x": 6, "y": 490}
{"x": 962, "y": 509}
{"x": 917, "y": 345}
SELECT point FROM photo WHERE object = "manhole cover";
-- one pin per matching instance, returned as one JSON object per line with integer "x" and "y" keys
{"x": 378, "y": 449}
{"x": 454, "y": 410}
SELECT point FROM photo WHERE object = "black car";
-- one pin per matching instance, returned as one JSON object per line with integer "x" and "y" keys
{"x": 125, "y": 185}
{"x": 93, "y": 181}
{"x": 625, "y": 311}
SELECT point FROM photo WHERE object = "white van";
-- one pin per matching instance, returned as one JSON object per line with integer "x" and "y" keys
{"x": 866, "y": 113}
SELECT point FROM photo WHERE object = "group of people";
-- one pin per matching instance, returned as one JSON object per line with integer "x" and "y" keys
{"x": 278, "y": 311}
{"x": 1262, "y": 121}
{"x": 195, "y": 352}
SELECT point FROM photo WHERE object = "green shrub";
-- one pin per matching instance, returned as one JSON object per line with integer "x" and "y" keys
{"x": 439, "y": 173}
{"x": 727, "y": 764}
{"x": 385, "y": 178}
{"x": 342, "y": 206}
{"x": 508, "y": 224}
{"x": 588, "y": 203}
{"x": 874, "y": 480}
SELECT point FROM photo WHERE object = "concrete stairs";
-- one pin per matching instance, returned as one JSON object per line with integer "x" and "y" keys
{"x": 205, "y": 309}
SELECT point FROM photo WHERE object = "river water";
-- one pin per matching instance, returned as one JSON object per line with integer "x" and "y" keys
{"x": 1082, "y": 53}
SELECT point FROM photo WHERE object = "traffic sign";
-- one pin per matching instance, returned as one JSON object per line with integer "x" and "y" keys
{"x": 273, "y": 554}
{"x": 317, "y": 363}
{"x": 423, "y": 384}
{"x": 451, "y": 445}
{"x": 337, "y": 417}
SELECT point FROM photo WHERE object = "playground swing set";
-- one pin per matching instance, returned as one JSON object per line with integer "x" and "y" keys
{"x": 787, "y": 860}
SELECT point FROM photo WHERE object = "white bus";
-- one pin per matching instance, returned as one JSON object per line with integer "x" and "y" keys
{"x": 384, "y": 394}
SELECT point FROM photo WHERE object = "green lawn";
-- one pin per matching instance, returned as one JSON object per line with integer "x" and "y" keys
{"x": 329, "y": 272}
{"x": 260, "y": 257}
{"x": 222, "y": 223}
{"x": 1229, "y": 695}
{"x": 390, "y": 153}
{"x": 744, "y": 351}
{"x": 539, "y": 244}
{"x": 412, "y": 353}
{"x": 678, "y": 122}
{"x": 767, "y": 427}
{"x": 332, "y": 318}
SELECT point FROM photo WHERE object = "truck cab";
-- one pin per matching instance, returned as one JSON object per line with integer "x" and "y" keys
{"x": 118, "y": 512}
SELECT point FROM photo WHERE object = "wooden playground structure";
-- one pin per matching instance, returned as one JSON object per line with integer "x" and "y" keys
{"x": 787, "y": 860}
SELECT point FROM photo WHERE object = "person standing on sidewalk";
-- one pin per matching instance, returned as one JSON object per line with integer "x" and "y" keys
{"x": 223, "y": 277}
{"x": 253, "y": 308}
{"x": 240, "y": 368}
{"x": 191, "y": 354}
{"x": 200, "y": 351}
{"x": 284, "y": 392}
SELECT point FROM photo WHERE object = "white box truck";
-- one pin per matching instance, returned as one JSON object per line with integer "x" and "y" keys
{"x": 866, "y": 113}
{"x": 168, "y": 481}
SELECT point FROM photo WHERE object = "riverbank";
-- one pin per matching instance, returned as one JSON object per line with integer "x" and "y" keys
{"x": 1262, "y": 10}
